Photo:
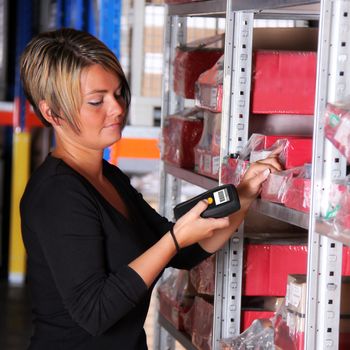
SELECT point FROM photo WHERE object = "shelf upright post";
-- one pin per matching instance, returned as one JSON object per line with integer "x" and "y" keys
{"x": 175, "y": 34}
{"x": 234, "y": 135}
{"x": 325, "y": 254}
{"x": 170, "y": 186}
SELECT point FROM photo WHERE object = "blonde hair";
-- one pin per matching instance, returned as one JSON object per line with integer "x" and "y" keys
{"x": 51, "y": 66}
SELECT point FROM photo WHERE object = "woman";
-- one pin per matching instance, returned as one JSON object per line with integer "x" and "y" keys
{"x": 95, "y": 247}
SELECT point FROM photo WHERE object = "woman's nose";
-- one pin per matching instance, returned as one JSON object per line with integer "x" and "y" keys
{"x": 116, "y": 106}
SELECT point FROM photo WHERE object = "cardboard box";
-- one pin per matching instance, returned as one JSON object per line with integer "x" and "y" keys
{"x": 296, "y": 295}
{"x": 290, "y": 332}
{"x": 283, "y": 82}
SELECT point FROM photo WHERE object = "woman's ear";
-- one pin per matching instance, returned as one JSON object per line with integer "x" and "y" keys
{"x": 47, "y": 113}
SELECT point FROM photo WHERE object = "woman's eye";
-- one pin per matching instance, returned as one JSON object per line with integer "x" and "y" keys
{"x": 95, "y": 103}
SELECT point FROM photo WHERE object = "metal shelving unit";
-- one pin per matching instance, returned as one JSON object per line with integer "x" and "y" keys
{"x": 325, "y": 248}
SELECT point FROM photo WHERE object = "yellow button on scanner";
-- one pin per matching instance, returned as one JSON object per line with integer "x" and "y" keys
{"x": 210, "y": 200}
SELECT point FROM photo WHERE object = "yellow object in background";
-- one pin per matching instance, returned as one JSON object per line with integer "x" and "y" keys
{"x": 20, "y": 174}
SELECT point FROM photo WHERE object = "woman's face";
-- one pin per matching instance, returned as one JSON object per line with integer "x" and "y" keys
{"x": 102, "y": 113}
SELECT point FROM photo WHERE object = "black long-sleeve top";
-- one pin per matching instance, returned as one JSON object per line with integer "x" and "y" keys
{"x": 84, "y": 294}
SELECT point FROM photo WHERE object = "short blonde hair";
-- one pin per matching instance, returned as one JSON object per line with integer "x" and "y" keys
{"x": 51, "y": 66}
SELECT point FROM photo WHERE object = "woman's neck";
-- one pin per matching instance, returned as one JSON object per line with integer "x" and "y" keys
{"x": 86, "y": 162}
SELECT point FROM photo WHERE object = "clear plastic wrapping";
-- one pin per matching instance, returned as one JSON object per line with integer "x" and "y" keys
{"x": 175, "y": 297}
{"x": 275, "y": 187}
{"x": 337, "y": 127}
{"x": 259, "y": 336}
{"x": 338, "y": 212}
{"x": 298, "y": 190}
{"x": 208, "y": 87}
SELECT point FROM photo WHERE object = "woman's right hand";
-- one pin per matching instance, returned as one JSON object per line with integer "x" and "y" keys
{"x": 192, "y": 228}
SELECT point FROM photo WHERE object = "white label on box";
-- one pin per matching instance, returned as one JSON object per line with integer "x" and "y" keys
{"x": 216, "y": 165}
{"x": 295, "y": 293}
{"x": 213, "y": 97}
{"x": 207, "y": 163}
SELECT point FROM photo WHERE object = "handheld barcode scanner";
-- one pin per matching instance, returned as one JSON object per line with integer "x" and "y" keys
{"x": 223, "y": 201}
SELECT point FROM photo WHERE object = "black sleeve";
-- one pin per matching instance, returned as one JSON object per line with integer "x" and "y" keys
{"x": 67, "y": 224}
{"x": 188, "y": 257}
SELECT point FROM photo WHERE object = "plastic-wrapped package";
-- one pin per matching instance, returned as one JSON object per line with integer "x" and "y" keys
{"x": 199, "y": 323}
{"x": 289, "y": 321}
{"x": 207, "y": 151}
{"x": 298, "y": 191}
{"x": 275, "y": 187}
{"x": 208, "y": 87}
{"x": 259, "y": 336}
{"x": 337, "y": 127}
{"x": 181, "y": 133}
{"x": 192, "y": 60}
{"x": 293, "y": 151}
{"x": 175, "y": 297}
{"x": 233, "y": 170}
{"x": 337, "y": 214}
{"x": 202, "y": 276}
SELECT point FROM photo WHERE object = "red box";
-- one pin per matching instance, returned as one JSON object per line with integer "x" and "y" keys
{"x": 298, "y": 194}
{"x": 202, "y": 276}
{"x": 283, "y": 82}
{"x": 181, "y": 134}
{"x": 189, "y": 63}
{"x": 267, "y": 266}
{"x": 297, "y": 153}
{"x": 207, "y": 151}
{"x": 248, "y": 316}
{"x": 263, "y": 272}
{"x": 199, "y": 323}
{"x": 207, "y": 162}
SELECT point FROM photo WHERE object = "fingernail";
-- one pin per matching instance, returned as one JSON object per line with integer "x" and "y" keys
{"x": 266, "y": 172}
